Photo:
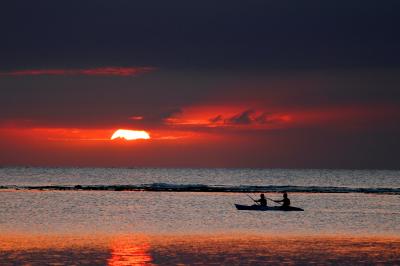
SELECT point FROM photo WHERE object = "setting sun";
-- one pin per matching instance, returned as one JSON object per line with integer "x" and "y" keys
{"x": 130, "y": 134}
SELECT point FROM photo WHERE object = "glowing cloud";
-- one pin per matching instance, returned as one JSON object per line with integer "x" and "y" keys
{"x": 102, "y": 71}
{"x": 130, "y": 134}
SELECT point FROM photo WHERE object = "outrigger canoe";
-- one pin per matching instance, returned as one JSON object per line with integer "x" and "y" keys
{"x": 266, "y": 208}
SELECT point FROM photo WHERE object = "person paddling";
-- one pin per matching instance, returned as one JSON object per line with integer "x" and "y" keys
{"x": 285, "y": 201}
{"x": 262, "y": 200}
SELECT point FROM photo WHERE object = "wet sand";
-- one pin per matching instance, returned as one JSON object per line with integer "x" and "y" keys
{"x": 233, "y": 249}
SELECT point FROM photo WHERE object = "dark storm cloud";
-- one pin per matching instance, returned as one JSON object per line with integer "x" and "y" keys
{"x": 199, "y": 34}
{"x": 216, "y": 119}
{"x": 244, "y": 118}
{"x": 158, "y": 117}
{"x": 281, "y": 56}
{"x": 216, "y": 48}
{"x": 97, "y": 101}
{"x": 108, "y": 101}
{"x": 171, "y": 113}
{"x": 263, "y": 118}
{"x": 247, "y": 117}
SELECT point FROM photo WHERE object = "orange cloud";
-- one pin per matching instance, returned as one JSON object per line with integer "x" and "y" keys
{"x": 345, "y": 117}
{"x": 102, "y": 71}
{"x": 240, "y": 117}
{"x": 227, "y": 116}
{"x": 55, "y": 134}
{"x": 80, "y": 136}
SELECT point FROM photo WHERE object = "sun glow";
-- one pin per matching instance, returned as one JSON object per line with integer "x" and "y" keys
{"x": 130, "y": 134}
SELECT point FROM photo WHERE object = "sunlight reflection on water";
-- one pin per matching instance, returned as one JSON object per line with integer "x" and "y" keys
{"x": 240, "y": 249}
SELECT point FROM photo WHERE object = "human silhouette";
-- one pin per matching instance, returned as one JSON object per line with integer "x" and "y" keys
{"x": 262, "y": 200}
{"x": 285, "y": 201}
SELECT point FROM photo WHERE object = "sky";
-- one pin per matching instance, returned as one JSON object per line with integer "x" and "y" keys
{"x": 257, "y": 83}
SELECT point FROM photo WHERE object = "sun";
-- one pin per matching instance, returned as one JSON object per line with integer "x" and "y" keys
{"x": 130, "y": 134}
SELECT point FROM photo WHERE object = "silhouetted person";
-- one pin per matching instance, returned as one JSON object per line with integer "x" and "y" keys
{"x": 262, "y": 200}
{"x": 285, "y": 201}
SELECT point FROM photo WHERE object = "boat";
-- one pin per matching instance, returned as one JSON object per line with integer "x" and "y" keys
{"x": 266, "y": 208}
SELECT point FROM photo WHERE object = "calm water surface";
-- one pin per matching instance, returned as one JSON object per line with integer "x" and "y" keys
{"x": 125, "y": 176}
{"x": 123, "y": 216}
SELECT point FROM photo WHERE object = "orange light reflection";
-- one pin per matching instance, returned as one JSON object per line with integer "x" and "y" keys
{"x": 130, "y": 251}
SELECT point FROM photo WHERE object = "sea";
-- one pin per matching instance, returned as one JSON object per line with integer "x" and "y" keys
{"x": 171, "y": 216}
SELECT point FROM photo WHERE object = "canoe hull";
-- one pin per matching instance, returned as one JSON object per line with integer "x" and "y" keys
{"x": 266, "y": 208}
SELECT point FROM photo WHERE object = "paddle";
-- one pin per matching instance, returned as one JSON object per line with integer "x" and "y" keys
{"x": 253, "y": 199}
{"x": 274, "y": 201}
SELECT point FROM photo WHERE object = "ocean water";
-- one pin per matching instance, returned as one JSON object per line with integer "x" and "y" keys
{"x": 108, "y": 210}
{"x": 219, "y": 176}
{"x": 170, "y": 216}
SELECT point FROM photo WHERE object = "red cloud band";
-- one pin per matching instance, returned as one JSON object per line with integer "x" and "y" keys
{"x": 102, "y": 71}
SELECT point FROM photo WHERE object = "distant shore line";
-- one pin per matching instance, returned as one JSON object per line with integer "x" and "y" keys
{"x": 162, "y": 187}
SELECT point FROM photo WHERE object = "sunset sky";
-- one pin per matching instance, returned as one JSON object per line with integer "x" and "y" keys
{"x": 257, "y": 83}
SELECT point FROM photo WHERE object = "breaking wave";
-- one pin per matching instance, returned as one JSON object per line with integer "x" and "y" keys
{"x": 164, "y": 187}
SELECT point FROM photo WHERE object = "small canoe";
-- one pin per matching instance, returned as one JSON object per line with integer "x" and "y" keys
{"x": 266, "y": 208}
